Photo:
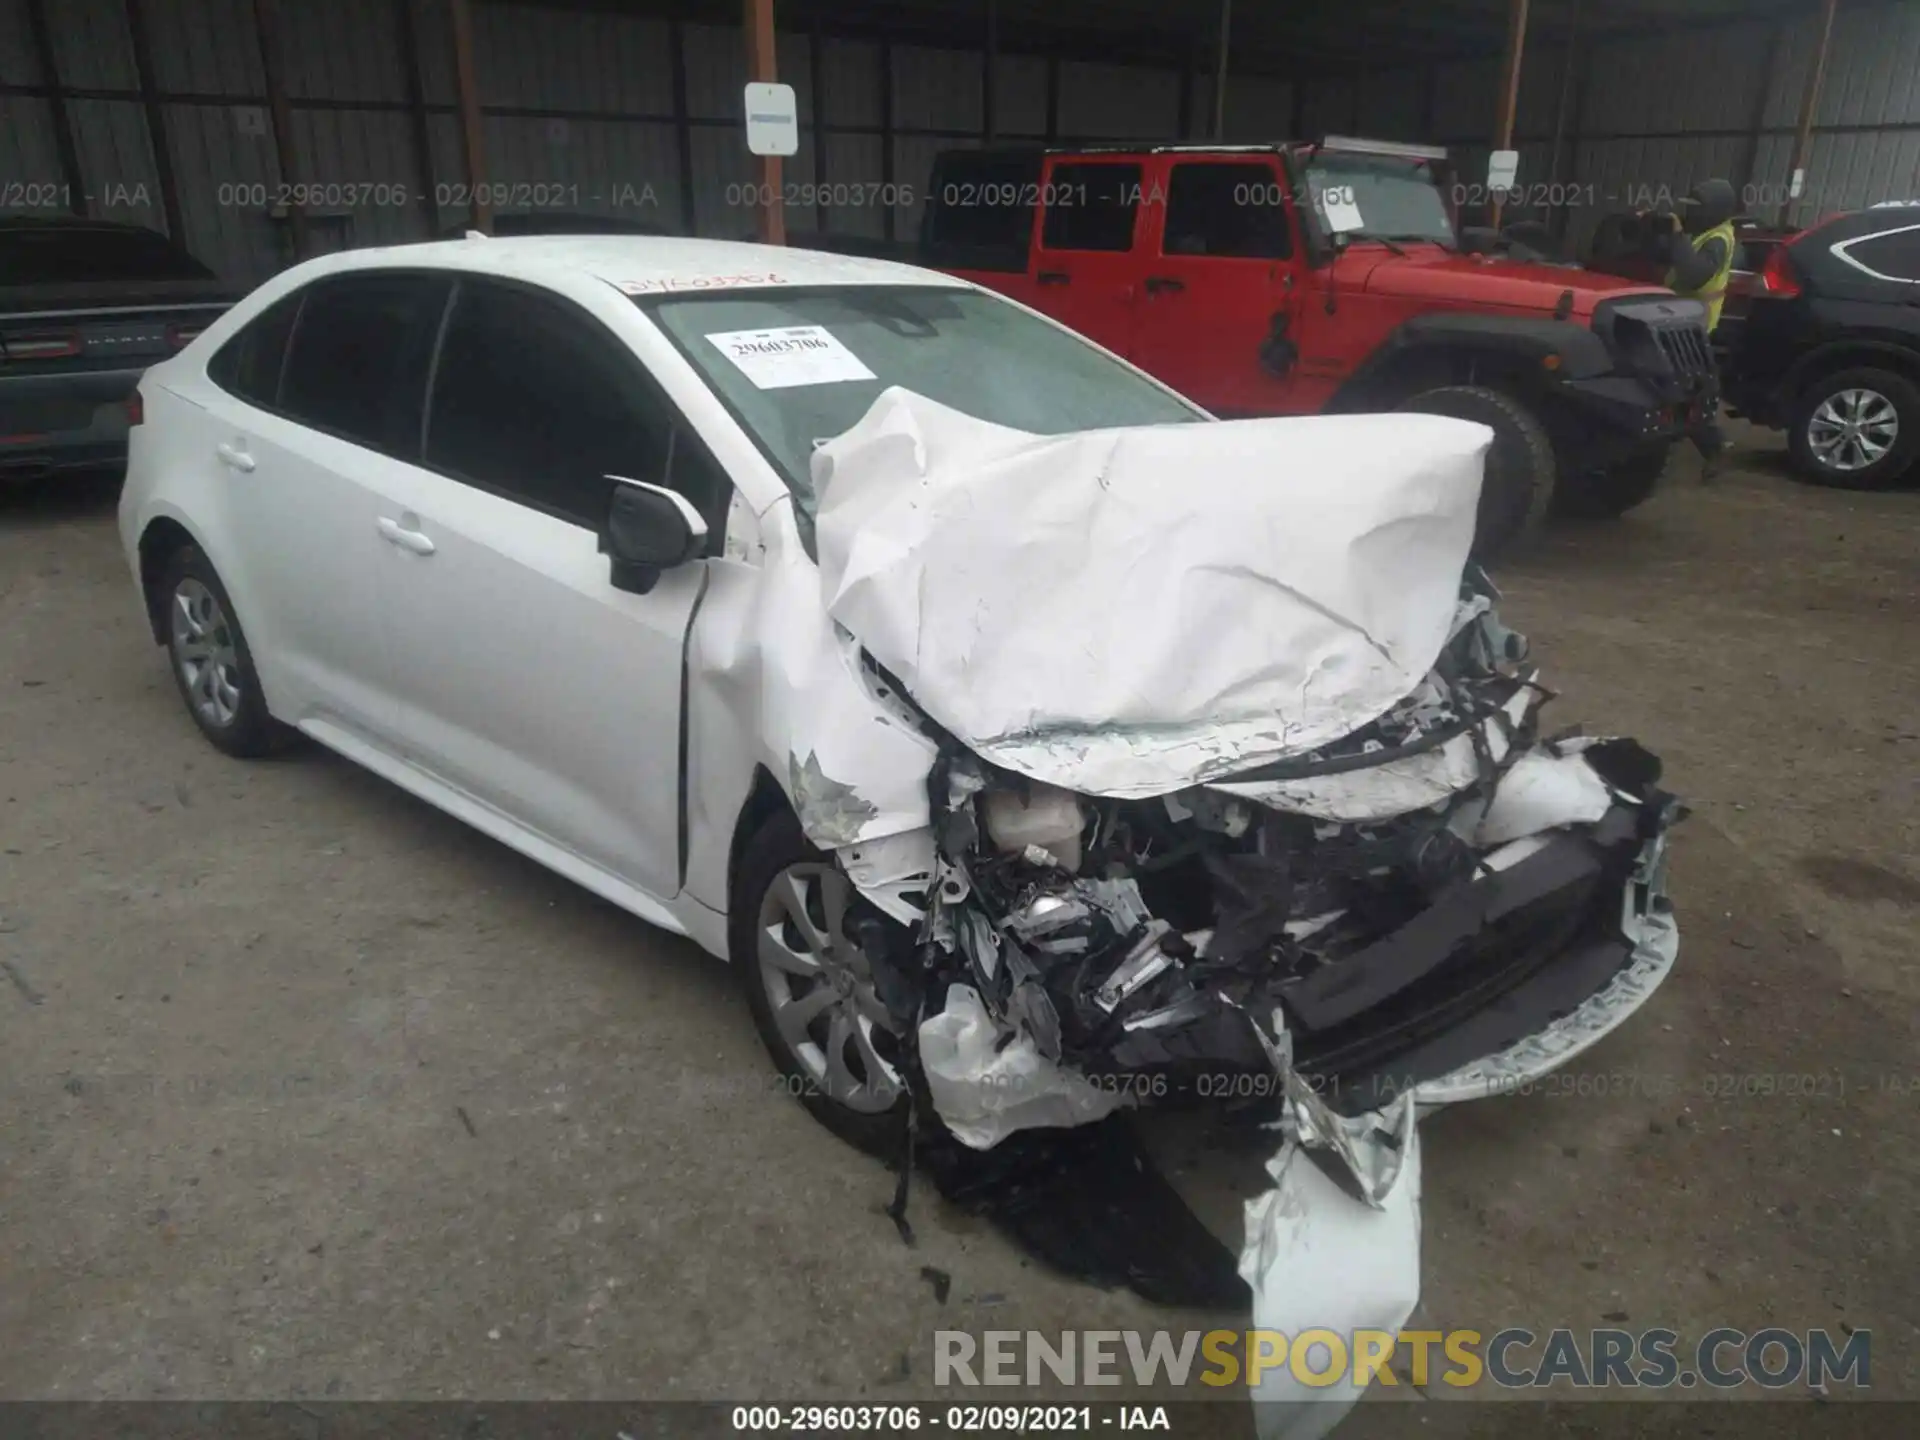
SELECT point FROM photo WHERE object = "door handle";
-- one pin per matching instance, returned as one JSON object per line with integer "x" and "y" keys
{"x": 234, "y": 456}
{"x": 394, "y": 533}
{"x": 1053, "y": 277}
{"x": 1158, "y": 283}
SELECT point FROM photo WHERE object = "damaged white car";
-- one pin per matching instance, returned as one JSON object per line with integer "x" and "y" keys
{"x": 1035, "y": 746}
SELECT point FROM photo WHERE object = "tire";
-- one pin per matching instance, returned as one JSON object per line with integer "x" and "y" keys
{"x": 864, "y": 1099}
{"x": 1518, "y": 489}
{"x": 212, "y": 666}
{"x": 1609, "y": 494}
{"x": 1834, "y": 400}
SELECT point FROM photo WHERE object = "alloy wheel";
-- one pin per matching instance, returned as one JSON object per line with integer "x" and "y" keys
{"x": 205, "y": 653}
{"x": 820, "y": 991}
{"x": 1852, "y": 429}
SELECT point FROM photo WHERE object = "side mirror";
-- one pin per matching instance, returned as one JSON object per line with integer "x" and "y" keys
{"x": 649, "y": 529}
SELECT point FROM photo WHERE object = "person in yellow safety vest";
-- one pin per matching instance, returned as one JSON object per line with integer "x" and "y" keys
{"x": 1701, "y": 251}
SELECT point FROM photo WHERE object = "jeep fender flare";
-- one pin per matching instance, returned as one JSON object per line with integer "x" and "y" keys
{"x": 1509, "y": 340}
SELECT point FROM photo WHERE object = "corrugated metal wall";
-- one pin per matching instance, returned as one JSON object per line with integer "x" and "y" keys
{"x": 581, "y": 114}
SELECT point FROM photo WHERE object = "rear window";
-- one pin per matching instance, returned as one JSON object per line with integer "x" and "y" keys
{"x": 68, "y": 254}
{"x": 248, "y": 365}
{"x": 357, "y": 366}
{"x": 1892, "y": 255}
{"x": 980, "y": 209}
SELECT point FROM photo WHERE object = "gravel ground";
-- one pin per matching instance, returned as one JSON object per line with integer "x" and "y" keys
{"x": 306, "y": 1090}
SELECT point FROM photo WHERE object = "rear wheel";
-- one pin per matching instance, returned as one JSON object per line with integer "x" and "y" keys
{"x": 1518, "y": 488}
{"x": 1605, "y": 494}
{"x": 211, "y": 663}
{"x": 811, "y": 991}
{"x": 1857, "y": 428}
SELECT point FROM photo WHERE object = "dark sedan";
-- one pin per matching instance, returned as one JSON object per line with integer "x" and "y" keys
{"x": 85, "y": 307}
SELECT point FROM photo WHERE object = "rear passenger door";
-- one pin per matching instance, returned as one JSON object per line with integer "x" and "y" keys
{"x": 1084, "y": 267}
{"x": 1217, "y": 303}
{"x": 523, "y": 679}
{"x": 308, "y": 407}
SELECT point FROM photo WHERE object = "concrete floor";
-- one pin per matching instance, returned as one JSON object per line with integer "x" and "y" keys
{"x": 306, "y": 1090}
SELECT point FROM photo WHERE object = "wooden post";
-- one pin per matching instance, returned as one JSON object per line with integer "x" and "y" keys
{"x": 761, "y": 66}
{"x": 1809, "y": 102}
{"x": 1510, "y": 85}
{"x": 266, "y": 19}
{"x": 479, "y": 210}
{"x": 63, "y": 145}
{"x": 156, "y": 121}
{"x": 1220, "y": 70}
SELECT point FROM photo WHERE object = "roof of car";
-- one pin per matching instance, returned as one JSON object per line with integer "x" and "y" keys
{"x": 644, "y": 264}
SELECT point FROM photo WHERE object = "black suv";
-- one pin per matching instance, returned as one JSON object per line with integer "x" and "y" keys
{"x": 1830, "y": 347}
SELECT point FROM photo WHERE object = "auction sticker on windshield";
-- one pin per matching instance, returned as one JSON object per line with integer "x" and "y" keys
{"x": 1342, "y": 210}
{"x": 793, "y": 355}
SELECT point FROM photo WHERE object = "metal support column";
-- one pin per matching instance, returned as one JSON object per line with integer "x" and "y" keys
{"x": 1809, "y": 103}
{"x": 1762, "y": 93}
{"x": 479, "y": 211}
{"x": 266, "y": 19}
{"x": 1220, "y": 70}
{"x": 156, "y": 121}
{"x": 407, "y": 32}
{"x": 989, "y": 62}
{"x": 64, "y": 148}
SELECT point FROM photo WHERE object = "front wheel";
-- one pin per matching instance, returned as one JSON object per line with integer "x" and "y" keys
{"x": 1605, "y": 494}
{"x": 811, "y": 990}
{"x": 1517, "y": 490}
{"x": 1858, "y": 429}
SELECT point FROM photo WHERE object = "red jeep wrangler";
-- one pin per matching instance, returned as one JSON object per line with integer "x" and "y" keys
{"x": 1203, "y": 266}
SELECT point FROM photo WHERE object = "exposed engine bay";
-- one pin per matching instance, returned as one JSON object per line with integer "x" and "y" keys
{"x": 1079, "y": 952}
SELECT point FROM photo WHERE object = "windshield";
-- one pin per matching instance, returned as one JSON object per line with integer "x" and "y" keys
{"x": 799, "y": 367}
{"x": 1378, "y": 197}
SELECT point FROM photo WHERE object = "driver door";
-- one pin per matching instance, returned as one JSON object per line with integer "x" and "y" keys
{"x": 522, "y": 678}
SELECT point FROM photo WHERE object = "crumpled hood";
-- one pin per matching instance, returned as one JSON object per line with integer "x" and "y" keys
{"x": 1126, "y": 612}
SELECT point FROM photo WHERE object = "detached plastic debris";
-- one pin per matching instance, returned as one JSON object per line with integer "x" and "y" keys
{"x": 1318, "y": 1258}
{"x": 1542, "y": 790}
{"x": 984, "y": 1093}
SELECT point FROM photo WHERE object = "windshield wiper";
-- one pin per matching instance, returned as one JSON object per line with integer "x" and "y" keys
{"x": 1386, "y": 240}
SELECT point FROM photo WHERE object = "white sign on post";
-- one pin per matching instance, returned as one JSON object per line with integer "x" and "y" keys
{"x": 773, "y": 119}
{"x": 1503, "y": 168}
{"x": 1796, "y": 185}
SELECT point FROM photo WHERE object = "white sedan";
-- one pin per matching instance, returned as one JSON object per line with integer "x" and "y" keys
{"x": 1031, "y": 743}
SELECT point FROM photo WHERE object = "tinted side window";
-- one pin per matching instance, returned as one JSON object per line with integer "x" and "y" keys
{"x": 983, "y": 200}
{"x": 532, "y": 399}
{"x": 249, "y": 364}
{"x": 1226, "y": 210}
{"x": 1896, "y": 255}
{"x": 1090, "y": 207}
{"x": 358, "y": 362}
